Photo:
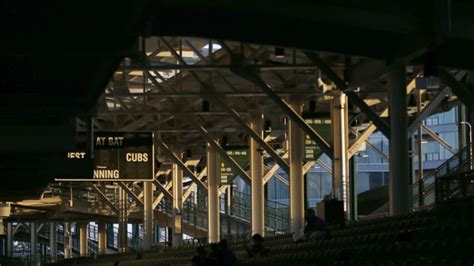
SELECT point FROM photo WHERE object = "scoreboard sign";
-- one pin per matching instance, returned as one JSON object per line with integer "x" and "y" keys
{"x": 240, "y": 156}
{"x": 311, "y": 148}
{"x": 118, "y": 156}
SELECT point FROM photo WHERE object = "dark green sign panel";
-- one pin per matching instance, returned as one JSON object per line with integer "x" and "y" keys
{"x": 323, "y": 127}
{"x": 241, "y": 156}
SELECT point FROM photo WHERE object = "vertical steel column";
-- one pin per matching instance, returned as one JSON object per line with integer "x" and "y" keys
{"x": 123, "y": 232}
{"x": 229, "y": 208}
{"x": 296, "y": 170}
{"x": 9, "y": 239}
{"x": 33, "y": 241}
{"x": 83, "y": 239}
{"x": 177, "y": 202}
{"x": 102, "y": 241}
{"x": 421, "y": 199}
{"x": 340, "y": 133}
{"x": 148, "y": 215}
{"x": 67, "y": 240}
{"x": 53, "y": 241}
{"x": 213, "y": 229}
{"x": 399, "y": 178}
{"x": 257, "y": 184}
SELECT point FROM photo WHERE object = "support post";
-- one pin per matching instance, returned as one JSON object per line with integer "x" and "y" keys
{"x": 9, "y": 239}
{"x": 123, "y": 234}
{"x": 83, "y": 239}
{"x": 177, "y": 202}
{"x": 213, "y": 195}
{"x": 102, "y": 238}
{"x": 33, "y": 241}
{"x": 296, "y": 169}
{"x": 53, "y": 241}
{"x": 67, "y": 240}
{"x": 257, "y": 185}
{"x": 420, "y": 153}
{"x": 147, "y": 215}
{"x": 399, "y": 179}
{"x": 340, "y": 133}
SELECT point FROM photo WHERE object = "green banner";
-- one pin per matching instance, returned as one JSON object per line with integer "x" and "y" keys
{"x": 241, "y": 156}
{"x": 323, "y": 127}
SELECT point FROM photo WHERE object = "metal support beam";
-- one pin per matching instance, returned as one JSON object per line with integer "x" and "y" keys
{"x": 10, "y": 235}
{"x": 213, "y": 230}
{"x": 254, "y": 135}
{"x": 439, "y": 139}
{"x": 399, "y": 177}
{"x": 104, "y": 198}
{"x": 353, "y": 97}
{"x": 233, "y": 164}
{"x": 33, "y": 241}
{"x": 192, "y": 187}
{"x": 53, "y": 241}
{"x": 292, "y": 114}
{"x": 122, "y": 222}
{"x": 256, "y": 165}
{"x": 162, "y": 189}
{"x": 130, "y": 192}
{"x": 428, "y": 110}
{"x": 158, "y": 199}
{"x": 461, "y": 91}
{"x": 296, "y": 170}
{"x": 178, "y": 201}
{"x": 148, "y": 215}
{"x": 180, "y": 163}
{"x": 340, "y": 136}
{"x": 379, "y": 152}
{"x": 354, "y": 147}
{"x": 102, "y": 234}
{"x": 83, "y": 239}
{"x": 67, "y": 240}
{"x": 324, "y": 165}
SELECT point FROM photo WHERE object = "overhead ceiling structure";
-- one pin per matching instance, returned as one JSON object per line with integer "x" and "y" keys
{"x": 62, "y": 62}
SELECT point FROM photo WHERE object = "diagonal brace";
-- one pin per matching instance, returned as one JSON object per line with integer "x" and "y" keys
{"x": 282, "y": 163}
{"x": 383, "y": 126}
{"x": 223, "y": 153}
{"x": 250, "y": 75}
{"x": 180, "y": 163}
{"x": 104, "y": 198}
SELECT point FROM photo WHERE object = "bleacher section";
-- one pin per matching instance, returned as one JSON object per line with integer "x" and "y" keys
{"x": 440, "y": 236}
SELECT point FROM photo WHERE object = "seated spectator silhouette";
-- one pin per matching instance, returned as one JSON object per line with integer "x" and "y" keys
{"x": 256, "y": 246}
{"x": 315, "y": 227}
{"x": 200, "y": 259}
{"x": 226, "y": 256}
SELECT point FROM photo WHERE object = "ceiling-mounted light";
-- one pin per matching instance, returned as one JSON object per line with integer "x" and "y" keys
{"x": 224, "y": 141}
{"x": 268, "y": 126}
{"x": 279, "y": 52}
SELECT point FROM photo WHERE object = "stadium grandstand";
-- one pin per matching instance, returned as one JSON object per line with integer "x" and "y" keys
{"x": 178, "y": 132}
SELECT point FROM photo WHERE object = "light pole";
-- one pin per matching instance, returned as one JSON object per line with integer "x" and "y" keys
{"x": 470, "y": 139}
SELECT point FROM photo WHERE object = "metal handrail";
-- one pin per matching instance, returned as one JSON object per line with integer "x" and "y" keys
{"x": 459, "y": 162}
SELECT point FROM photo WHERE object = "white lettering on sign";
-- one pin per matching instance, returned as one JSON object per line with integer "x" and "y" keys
{"x": 109, "y": 141}
{"x": 100, "y": 141}
{"x": 115, "y": 141}
{"x": 136, "y": 157}
{"x": 76, "y": 155}
{"x": 106, "y": 174}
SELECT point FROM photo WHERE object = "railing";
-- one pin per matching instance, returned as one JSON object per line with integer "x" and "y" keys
{"x": 454, "y": 186}
{"x": 459, "y": 162}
